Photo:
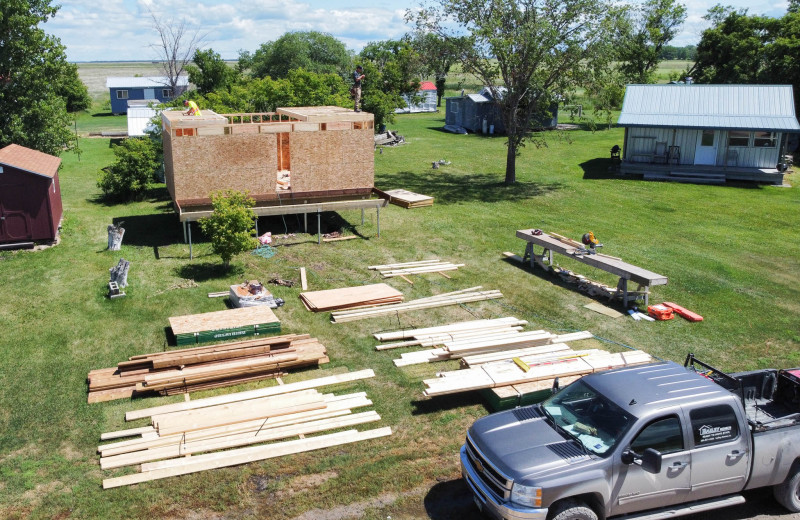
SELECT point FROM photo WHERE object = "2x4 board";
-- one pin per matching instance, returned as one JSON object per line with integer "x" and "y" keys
{"x": 223, "y": 325}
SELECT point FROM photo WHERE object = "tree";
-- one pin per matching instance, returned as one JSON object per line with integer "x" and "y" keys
{"x": 176, "y": 46}
{"x": 391, "y": 68}
{"x": 310, "y": 50}
{"x": 647, "y": 30}
{"x": 438, "y": 55}
{"x": 134, "y": 168}
{"x": 210, "y": 72}
{"x": 34, "y": 75}
{"x": 231, "y": 226}
{"x": 538, "y": 49}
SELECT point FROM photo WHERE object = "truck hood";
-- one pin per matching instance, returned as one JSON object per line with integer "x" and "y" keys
{"x": 522, "y": 443}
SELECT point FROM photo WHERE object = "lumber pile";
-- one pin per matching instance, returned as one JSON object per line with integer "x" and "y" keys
{"x": 408, "y": 199}
{"x": 232, "y": 429}
{"x": 220, "y": 325}
{"x": 530, "y": 368}
{"x": 409, "y": 268}
{"x": 203, "y": 368}
{"x": 350, "y": 297}
{"x": 473, "y": 294}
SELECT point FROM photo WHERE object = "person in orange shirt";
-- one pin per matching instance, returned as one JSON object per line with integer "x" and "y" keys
{"x": 194, "y": 110}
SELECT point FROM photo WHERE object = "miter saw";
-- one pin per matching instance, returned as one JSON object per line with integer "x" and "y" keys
{"x": 591, "y": 243}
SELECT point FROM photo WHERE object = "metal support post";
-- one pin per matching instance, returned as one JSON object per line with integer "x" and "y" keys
{"x": 189, "y": 227}
{"x": 183, "y": 224}
{"x": 362, "y": 216}
{"x": 379, "y": 220}
{"x": 319, "y": 226}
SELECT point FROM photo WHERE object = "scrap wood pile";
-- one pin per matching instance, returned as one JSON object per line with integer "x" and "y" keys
{"x": 409, "y": 268}
{"x": 530, "y": 368}
{"x": 244, "y": 421}
{"x": 408, "y": 199}
{"x": 202, "y": 368}
{"x": 473, "y": 294}
{"x": 350, "y": 297}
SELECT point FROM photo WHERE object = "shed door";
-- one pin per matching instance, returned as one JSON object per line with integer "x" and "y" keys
{"x": 706, "y": 151}
{"x": 15, "y": 223}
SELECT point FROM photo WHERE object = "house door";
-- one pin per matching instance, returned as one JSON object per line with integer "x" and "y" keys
{"x": 149, "y": 93}
{"x": 706, "y": 150}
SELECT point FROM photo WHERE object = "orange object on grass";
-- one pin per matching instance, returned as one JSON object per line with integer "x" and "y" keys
{"x": 660, "y": 312}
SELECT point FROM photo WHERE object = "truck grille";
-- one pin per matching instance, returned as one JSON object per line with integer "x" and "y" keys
{"x": 489, "y": 475}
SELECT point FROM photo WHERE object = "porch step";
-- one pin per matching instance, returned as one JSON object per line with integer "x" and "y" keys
{"x": 688, "y": 177}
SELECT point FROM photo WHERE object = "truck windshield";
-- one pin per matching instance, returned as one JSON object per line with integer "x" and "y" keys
{"x": 587, "y": 416}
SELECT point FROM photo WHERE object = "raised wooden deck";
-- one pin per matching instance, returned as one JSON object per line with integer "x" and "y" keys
{"x": 701, "y": 174}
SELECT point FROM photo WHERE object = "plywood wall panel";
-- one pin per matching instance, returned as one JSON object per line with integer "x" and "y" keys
{"x": 338, "y": 160}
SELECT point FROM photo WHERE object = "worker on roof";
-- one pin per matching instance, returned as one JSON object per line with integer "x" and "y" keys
{"x": 194, "y": 110}
{"x": 355, "y": 91}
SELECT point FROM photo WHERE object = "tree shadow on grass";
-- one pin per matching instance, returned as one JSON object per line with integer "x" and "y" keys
{"x": 203, "y": 271}
{"x": 448, "y": 188}
{"x": 154, "y": 194}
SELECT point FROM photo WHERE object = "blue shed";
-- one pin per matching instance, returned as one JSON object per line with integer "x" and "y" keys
{"x": 155, "y": 88}
{"x": 471, "y": 110}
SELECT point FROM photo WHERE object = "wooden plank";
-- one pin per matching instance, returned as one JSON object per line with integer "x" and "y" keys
{"x": 460, "y": 326}
{"x": 251, "y": 394}
{"x": 126, "y": 433}
{"x": 303, "y": 281}
{"x": 245, "y": 455}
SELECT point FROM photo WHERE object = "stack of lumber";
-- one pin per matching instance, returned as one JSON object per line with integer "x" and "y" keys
{"x": 408, "y": 268}
{"x": 530, "y": 368}
{"x": 203, "y": 368}
{"x": 220, "y": 325}
{"x": 351, "y": 297}
{"x": 408, "y": 199}
{"x": 207, "y": 429}
{"x": 473, "y": 294}
{"x": 428, "y": 337}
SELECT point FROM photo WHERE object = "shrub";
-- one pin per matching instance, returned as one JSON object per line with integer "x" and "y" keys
{"x": 231, "y": 227}
{"x": 133, "y": 170}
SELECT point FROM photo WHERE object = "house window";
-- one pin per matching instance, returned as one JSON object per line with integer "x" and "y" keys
{"x": 122, "y": 94}
{"x": 764, "y": 139}
{"x": 738, "y": 138}
{"x": 166, "y": 93}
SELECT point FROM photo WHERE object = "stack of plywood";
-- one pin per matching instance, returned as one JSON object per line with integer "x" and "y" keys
{"x": 408, "y": 268}
{"x": 221, "y": 325}
{"x": 473, "y": 294}
{"x": 208, "y": 429}
{"x": 530, "y": 368}
{"x": 351, "y": 297}
{"x": 408, "y": 199}
{"x": 202, "y": 368}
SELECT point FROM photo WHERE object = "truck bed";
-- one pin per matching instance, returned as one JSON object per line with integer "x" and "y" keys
{"x": 771, "y": 397}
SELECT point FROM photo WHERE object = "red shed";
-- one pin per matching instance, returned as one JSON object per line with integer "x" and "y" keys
{"x": 30, "y": 196}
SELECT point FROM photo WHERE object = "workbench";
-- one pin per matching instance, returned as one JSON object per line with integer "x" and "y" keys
{"x": 570, "y": 248}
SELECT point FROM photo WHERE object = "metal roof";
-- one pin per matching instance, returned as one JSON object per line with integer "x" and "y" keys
{"x": 737, "y": 107}
{"x": 144, "y": 82}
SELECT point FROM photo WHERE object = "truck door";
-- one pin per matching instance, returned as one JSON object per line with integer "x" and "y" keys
{"x": 721, "y": 451}
{"x": 635, "y": 489}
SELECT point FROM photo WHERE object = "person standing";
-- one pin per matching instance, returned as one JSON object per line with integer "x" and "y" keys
{"x": 358, "y": 76}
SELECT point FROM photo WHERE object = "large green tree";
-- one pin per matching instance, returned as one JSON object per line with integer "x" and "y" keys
{"x": 209, "y": 72}
{"x": 740, "y": 48}
{"x": 647, "y": 29}
{"x": 438, "y": 55}
{"x": 35, "y": 79}
{"x": 392, "y": 70}
{"x": 310, "y": 50}
{"x": 536, "y": 49}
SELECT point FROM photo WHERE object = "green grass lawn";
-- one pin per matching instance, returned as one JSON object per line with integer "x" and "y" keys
{"x": 730, "y": 252}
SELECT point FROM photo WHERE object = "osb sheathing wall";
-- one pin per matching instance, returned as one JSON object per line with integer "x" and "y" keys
{"x": 204, "y": 164}
{"x": 169, "y": 171}
{"x": 332, "y": 160}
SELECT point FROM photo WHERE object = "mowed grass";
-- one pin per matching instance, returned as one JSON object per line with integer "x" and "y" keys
{"x": 730, "y": 252}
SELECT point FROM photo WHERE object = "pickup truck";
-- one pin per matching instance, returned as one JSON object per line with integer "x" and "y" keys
{"x": 646, "y": 442}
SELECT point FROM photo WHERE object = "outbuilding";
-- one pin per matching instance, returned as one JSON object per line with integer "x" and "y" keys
{"x": 707, "y": 133}
{"x": 151, "y": 88}
{"x": 479, "y": 113}
{"x": 30, "y": 195}
{"x": 425, "y": 100}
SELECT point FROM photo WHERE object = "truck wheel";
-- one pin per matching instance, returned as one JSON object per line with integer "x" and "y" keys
{"x": 572, "y": 510}
{"x": 787, "y": 493}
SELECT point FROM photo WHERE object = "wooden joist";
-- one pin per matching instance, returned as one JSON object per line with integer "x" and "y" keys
{"x": 418, "y": 267}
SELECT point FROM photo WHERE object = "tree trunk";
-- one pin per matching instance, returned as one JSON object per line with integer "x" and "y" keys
{"x": 115, "y": 237}
{"x": 511, "y": 162}
{"x": 119, "y": 273}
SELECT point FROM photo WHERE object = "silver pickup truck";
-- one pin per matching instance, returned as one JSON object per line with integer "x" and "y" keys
{"x": 650, "y": 442}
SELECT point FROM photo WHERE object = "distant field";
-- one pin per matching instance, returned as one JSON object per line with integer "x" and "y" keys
{"x": 94, "y": 74}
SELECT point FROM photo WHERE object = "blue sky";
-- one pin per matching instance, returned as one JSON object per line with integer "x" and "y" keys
{"x": 112, "y": 30}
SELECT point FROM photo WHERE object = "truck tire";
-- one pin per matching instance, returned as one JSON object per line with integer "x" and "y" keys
{"x": 572, "y": 510}
{"x": 787, "y": 493}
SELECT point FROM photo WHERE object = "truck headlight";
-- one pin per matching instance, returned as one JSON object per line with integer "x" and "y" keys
{"x": 526, "y": 495}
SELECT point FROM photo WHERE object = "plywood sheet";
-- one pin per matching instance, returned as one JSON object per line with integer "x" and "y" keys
{"x": 324, "y": 161}
{"x": 350, "y": 297}
{"x": 218, "y": 320}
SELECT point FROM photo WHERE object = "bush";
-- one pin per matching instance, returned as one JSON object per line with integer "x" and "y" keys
{"x": 231, "y": 227}
{"x": 137, "y": 161}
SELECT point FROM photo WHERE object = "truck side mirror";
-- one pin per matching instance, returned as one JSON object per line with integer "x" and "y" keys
{"x": 651, "y": 461}
{"x": 628, "y": 457}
